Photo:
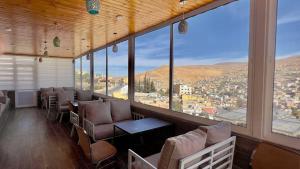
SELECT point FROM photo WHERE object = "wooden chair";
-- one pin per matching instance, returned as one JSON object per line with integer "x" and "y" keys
{"x": 100, "y": 153}
{"x": 268, "y": 156}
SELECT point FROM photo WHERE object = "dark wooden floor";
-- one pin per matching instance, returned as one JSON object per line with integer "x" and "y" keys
{"x": 30, "y": 141}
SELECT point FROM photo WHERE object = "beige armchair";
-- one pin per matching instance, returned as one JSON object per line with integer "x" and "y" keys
{"x": 208, "y": 147}
{"x": 63, "y": 99}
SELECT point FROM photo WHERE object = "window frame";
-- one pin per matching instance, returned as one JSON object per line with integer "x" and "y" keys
{"x": 268, "y": 134}
{"x": 80, "y": 69}
{"x": 89, "y": 63}
{"x": 244, "y": 130}
{"x": 107, "y": 64}
{"x": 93, "y": 68}
{"x": 106, "y": 47}
{"x": 170, "y": 25}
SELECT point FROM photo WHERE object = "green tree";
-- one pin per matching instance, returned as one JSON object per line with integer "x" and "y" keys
{"x": 152, "y": 87}
{"x": 177, "y": 106}
{"x": 145, "y": 84}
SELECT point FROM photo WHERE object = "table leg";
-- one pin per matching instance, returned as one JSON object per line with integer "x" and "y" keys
{"x": 142, "y": 140}
{"x": 113, "y": 141}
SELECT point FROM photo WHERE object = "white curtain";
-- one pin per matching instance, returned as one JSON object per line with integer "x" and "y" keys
{"x": 26, "y": 73}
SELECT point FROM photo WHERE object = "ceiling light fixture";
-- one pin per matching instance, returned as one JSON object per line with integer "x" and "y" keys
{"x": 8, "y": 29}
{"x": 183, "y": 2}
{"x": 115, "y": 47}
{"x": 183, "y": 25}
{"x": 93, "y": 6}
{"x": 119, "y": 17}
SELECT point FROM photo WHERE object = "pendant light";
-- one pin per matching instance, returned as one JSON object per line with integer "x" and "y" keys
{"x": 183, "y": 25}
{"x": 45, "y": 50}
{"x": 92, "y": 6}
{"x": 115, "y": 47}
{"x": 88, "y": 56}
{"x": 37, "y": 56}
{"x": 56, "y": 40}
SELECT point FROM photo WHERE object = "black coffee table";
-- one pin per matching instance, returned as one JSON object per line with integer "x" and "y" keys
{"x": 73, "y": 106}
{"x": 140, "y": 126}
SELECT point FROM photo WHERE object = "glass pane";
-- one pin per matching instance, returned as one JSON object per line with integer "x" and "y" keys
{"x": 100, "y": 71}
{"x": 211, "y": 64}
{"x": 152, "y": 55}
{"x": 118, "y": 71}
{"x": 77, "y": 73}
{"x": 86, "y": 77}
{"x": 286, "y": 104}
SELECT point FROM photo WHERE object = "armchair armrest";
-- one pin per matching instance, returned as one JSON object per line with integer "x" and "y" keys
{"x": 137, "y": 116}
{"x": 89, "y": 127}
{"x": 3, "y": 99}
{"x": 143, "y": 163}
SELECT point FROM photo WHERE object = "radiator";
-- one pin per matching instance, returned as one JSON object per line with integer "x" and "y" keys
{"x": 26, "y": 98}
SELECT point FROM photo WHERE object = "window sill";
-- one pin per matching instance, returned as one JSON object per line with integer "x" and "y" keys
{"x": 187, "y": 117}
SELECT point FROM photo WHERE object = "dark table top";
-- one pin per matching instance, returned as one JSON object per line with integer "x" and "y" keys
{"x": 138, "y": 126}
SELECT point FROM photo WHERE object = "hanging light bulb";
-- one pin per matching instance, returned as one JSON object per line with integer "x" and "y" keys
{"x": 92, "y": 6}
{"x": 115, "y": 47}
{"x": 183, "y": 25}
{"x": 56, "y": 40}
{"x": 88, "y": 56}
{"x": 45, "y": 54}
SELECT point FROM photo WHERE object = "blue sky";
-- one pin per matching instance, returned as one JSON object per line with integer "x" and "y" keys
{"x": 220, "y": 35}
{"x": 288, "y": 28}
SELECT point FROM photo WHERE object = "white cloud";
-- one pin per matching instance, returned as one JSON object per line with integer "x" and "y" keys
{"x": 288, "y": 55}
{"x": 289, "y": 18}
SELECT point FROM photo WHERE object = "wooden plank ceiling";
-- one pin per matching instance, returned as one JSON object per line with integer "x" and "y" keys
{"x": 26, "y": 24}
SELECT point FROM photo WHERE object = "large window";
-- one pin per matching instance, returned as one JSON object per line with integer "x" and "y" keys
{"x": 78, "y": 73}
{"x": 100, "y": 71}
{"x": 152, "y": 55}
{"x": 118, "y": 71}
{"x": 286, "y": 101}
{"x": 86, "y": 76}
{"x": 211, "y": 64}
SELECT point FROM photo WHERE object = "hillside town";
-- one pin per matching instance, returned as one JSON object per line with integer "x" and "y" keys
{"x": 221, "y": 98}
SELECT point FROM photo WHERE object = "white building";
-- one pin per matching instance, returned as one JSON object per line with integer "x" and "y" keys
{"x": 181, "y": 89}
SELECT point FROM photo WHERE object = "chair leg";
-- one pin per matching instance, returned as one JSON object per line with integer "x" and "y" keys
{"x": 57, "y": 115}
{"x": 61, "y": 117}
{"x": 72, "y": 131}
{"x": 48, "y": 114}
